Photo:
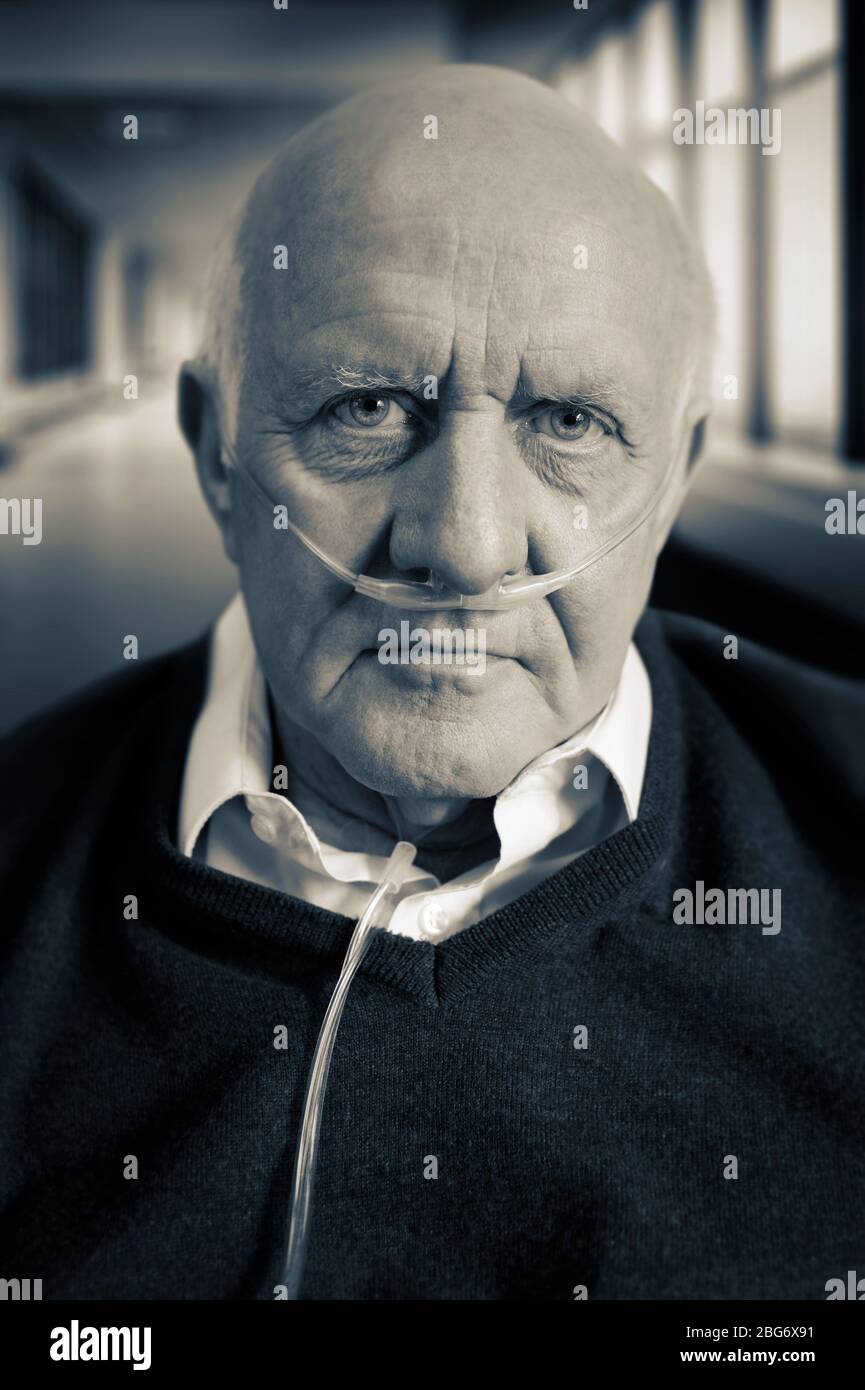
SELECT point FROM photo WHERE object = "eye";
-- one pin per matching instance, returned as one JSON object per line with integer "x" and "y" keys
{"x": 368, "y": 409}
{"x": 573, "y": 423}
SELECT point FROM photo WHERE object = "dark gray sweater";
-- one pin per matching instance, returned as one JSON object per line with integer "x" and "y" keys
{"x": 608, "y": 1166}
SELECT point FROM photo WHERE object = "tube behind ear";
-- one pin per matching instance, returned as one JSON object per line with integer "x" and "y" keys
{"x": 190, "y": 404}
{"x": 698, "y": 439}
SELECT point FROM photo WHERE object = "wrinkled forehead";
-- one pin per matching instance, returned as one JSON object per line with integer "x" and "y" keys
{"x": 406, "y": 258}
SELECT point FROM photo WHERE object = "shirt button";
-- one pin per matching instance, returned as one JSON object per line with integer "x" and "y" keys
{"x": 434, "y": 918}
{"x": 264, "y": 829}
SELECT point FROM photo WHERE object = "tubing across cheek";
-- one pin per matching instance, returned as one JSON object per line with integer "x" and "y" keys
{"x": 510, "y": 591}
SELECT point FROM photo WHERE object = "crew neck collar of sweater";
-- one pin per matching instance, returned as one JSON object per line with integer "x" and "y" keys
{"x": 262, "y": 928}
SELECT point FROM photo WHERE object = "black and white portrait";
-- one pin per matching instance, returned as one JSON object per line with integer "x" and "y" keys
{"x": 432, "y": 719}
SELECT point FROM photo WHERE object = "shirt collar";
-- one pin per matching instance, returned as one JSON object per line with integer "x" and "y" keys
{"x": 231, "y": 747}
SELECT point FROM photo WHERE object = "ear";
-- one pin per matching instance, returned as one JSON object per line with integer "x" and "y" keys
{"x": 198, "y": 415}
{"x": 670, "y": 506}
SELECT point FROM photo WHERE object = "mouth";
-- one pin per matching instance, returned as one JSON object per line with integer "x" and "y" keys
{"x": 439, "y": 662}
{"x": 470, "y": 678}
{"x": 495, "y": 635}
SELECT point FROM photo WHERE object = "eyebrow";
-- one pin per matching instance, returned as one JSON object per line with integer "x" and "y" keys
{"x": 595, "y": 389}
{"x": 607, "y": 397}
{"x": 367, "y": 378}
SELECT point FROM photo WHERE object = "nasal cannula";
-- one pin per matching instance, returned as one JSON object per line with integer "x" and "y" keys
{"x": 430, "y": 593}
{"x": 392, "y": 880}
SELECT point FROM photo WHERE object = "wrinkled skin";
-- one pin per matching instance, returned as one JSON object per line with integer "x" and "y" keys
{"x": 451, "y": 258}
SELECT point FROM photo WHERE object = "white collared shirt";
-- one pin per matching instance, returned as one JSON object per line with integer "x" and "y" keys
{"x": 542, "y": 819}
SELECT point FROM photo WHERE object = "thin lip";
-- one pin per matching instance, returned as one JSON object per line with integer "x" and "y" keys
{"x": 500, "y": 628}
{"x": 452, "y": 671}
{"x": 489, "y": 655}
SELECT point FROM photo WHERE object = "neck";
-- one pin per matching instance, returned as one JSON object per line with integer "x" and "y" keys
{"x": 442, "y": 825}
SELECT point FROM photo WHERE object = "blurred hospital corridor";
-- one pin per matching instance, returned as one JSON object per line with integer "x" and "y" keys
{"x": 128, "y": 547}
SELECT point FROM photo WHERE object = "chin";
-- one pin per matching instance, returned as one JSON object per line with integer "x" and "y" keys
{"x": 425, "y": 731}
{"x": 408, "y": 752}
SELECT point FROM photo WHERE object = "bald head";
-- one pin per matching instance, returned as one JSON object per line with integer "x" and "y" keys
{"x": 503, "y": 158}
{"x": 456, "y": 333}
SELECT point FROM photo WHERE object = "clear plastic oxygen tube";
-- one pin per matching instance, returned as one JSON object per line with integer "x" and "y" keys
{"x": 430, "y": 593}
{"x": 393, "y": 877}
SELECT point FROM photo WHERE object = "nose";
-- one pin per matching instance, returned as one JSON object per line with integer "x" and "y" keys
{"x": 464, "y": 514}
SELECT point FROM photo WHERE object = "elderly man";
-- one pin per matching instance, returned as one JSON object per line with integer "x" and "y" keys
{"x": 606, "y": 1038}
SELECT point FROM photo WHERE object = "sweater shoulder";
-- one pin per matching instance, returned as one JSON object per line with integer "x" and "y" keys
{"x": 59, "y": 744}
{"x": 781, "y": 707}
{"x": 705, "y": 649}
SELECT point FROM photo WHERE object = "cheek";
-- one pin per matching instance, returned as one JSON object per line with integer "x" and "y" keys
{"x": 603, "y": 606}
{"x": 291, "y": 602}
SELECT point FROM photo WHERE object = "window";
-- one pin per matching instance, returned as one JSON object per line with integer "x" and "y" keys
{"x": 803, "y": 214}
{"x": 770, "y": 224}
{"x": 52, "y": 250}
{"x": 654, "y": 61}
